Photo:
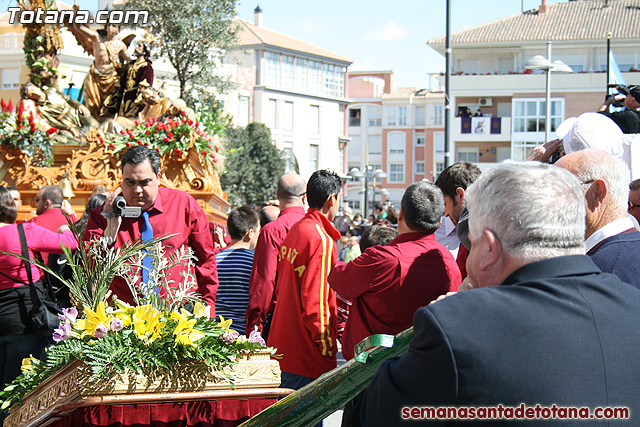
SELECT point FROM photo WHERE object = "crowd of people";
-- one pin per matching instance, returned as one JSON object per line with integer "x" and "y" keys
{"x": 530, "y": 295}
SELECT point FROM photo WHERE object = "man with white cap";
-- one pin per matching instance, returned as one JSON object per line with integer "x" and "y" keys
{"x": 629, "y": 118}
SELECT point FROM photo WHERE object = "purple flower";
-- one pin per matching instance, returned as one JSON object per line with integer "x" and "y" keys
{"x": 230, "y": 337}
{"x": 63, "y": 332}
{"x": 117, "y": 324}
{"x": 70, "y": 314}
{"x": 100, "y": 331}
{"x": 255, "y": 337}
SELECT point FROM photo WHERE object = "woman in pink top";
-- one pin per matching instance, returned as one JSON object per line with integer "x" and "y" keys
{"x": 16, "y": 339}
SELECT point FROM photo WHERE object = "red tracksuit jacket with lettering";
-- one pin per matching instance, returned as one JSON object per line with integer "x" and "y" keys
{"x": 304, "y": 325}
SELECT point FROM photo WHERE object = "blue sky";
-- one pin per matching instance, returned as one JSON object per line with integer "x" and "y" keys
{"x": 375, "y": 34}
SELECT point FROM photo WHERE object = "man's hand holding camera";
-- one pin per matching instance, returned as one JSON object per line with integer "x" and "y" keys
{"x": 113, "y": 220}
{"x": 114, "y": 209}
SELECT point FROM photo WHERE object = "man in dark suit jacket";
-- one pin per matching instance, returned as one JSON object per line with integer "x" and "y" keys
{"x": 612, "y": 241}
{"x": 546, "y": 327}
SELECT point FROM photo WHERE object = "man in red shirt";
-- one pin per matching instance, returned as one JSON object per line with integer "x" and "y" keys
{"x": 304, "y": 323}
{"x": 169, "y": 212}
{"x": 387, "y": 284}
{"x": 49, "y": 211}
{"x": 262, "y": 297}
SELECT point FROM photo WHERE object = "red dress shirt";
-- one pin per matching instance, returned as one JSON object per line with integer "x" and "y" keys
{"x": 174, "y": 212}
{"x": 262, "y": 297}
{"x": 52, "y": 219}
{"x": 304, "y": 325}
{"x": 38, "y": 239}
{"x": 387, "y": 284}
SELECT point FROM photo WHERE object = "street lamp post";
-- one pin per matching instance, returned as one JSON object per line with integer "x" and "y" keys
{"x": 539, "y": 62}
{"x": 369, "y": 173}
{"x": 382, "y": 192}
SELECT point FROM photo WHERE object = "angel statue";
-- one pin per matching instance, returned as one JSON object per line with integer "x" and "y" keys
{"x": 110, "y": 56}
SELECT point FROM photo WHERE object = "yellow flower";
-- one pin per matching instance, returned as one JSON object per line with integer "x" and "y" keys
{"x": 200, "y": 310}
{"x": 123, "y": 312}
{"x": 184, "y": 332}
{"x": 79, "y": 325}
{"x": 26, "y": 364}
{"x": 146, "y": 323}
{"x": 225, "y": 324}
{"x": 95, "y": 318}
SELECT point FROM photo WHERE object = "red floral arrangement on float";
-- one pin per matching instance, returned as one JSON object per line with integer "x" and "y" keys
{"x": 22, "y": 131}
{"x": 171, "y": 135}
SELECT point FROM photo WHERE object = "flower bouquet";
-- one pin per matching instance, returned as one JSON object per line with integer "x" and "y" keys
{"x": 171, "y": 136}
{"x": 21, "y": 131}
{"x": 166, "y": 342}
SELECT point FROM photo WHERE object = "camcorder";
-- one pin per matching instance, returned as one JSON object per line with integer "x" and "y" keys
{"x": 622, "y": 90}
{"x": 120, "y": 208}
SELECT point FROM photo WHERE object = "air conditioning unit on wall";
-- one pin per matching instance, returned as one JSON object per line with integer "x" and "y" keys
{"x": 485, "y": 102}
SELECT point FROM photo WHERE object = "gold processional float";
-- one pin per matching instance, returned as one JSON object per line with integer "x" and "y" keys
{"x": 49, "y": 138}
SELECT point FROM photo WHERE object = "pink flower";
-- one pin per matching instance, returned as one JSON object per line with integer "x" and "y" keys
{"x": 255, "y": 337}
{"x": 100, "y": 331}
{"x": 63, "y": 332}
{"x": 117, "y": 324}
{"x": 230, "y": 337}
{"x": 70, "y": 314}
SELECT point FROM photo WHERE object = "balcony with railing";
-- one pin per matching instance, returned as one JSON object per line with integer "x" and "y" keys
{"x": 481, "y": 129}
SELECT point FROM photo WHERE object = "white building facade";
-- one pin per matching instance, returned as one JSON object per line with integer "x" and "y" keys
{"x": 297, "y": 90}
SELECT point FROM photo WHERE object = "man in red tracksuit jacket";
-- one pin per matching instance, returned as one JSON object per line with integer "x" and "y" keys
{"x": 304, "y": 325}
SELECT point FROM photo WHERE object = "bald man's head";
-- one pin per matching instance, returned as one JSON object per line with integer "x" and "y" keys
{"x": 291, "y": 189}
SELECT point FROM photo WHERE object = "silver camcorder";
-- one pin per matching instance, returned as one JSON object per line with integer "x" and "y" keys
{"x": 120, "y": 208}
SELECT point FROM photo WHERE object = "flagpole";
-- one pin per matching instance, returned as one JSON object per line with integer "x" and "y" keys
{"x": 608, "y": 59}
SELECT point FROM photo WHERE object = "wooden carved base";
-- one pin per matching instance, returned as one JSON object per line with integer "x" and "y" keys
{"x": 89, "y": 165}
{"x": 71, "y": 383}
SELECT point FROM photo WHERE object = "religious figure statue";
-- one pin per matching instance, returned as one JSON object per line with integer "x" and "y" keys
{"x": 176, "y": 108}
{"x": 110, "y": 55}
{"x": 138, "y": 74}
{"x": 56, "y": 110}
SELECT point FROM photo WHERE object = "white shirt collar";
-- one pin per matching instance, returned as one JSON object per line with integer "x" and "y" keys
{"x": 611, "y": 229}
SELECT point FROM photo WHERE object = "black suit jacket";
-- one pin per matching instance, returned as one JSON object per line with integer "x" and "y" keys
{"x": 557, "y": 331}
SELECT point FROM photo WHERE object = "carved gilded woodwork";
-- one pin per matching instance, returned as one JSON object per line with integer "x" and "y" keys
{"x": 70, "y": 384}
{"x": 89, "y": 165}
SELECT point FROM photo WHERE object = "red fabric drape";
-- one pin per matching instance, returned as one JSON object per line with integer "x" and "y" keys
{"x": 218, "y": 413}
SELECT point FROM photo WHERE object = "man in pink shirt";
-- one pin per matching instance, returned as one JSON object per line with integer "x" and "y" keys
{"x": 262, "y": 300}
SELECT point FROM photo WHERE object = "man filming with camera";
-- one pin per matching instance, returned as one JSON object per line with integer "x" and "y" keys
{"x": 629, "y": 118}
{"x": 148, "y": 211}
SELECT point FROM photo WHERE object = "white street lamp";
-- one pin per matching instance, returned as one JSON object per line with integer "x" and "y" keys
{"x": 539, "y": 62}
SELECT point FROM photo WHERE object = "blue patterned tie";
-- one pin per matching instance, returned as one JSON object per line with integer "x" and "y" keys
{"x": 146, "y": 234}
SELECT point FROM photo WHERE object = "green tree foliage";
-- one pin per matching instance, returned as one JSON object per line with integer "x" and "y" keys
{"x": 194, "y": 35}
{"x": 253, "y": 165}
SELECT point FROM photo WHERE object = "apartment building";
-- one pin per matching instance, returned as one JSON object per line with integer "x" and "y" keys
{"x": 488, "y": 73}
{"x": 296, "y": 89}
{"x": 398, "y": 131}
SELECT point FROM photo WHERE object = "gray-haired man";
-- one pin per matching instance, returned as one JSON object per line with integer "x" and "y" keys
{"x": 543, "y": 329}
